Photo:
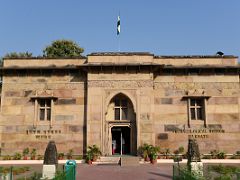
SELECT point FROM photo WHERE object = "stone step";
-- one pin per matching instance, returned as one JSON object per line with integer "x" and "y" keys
{"x": 107, "y": 160}
{"x": 129, "y": 161}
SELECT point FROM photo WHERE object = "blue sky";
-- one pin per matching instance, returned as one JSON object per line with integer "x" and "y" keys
{"x": 170, "y": 27}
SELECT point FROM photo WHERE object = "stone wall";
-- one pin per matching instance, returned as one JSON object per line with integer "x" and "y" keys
{"x": 80, "y": 114}
{"x": 222, "y": 112}
{"x": 18, "y": 110}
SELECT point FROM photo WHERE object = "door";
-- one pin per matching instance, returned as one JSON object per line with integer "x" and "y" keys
{"x": 121, "y": 143}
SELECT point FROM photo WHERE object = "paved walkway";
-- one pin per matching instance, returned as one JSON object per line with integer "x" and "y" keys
{"x": 159, "y": 161}
{"x": 161, "y": 171}
{"x": 116, "y": 172}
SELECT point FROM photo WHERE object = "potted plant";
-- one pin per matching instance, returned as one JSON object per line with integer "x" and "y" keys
{"x": 214, "y": 154}
{"x": 221, "y": 155}
{"x": 95, "y": 151}
{"x": 33, "y": 154}
{"x": 144, "y": 151}
{"x": 39, "y": 157}
{"x": 181, "y": 150}
{"x": 167, "y": 153}
{"x": 153, "y": 152}
{"x": 17, "y": 156}
{"x": 89, "y": 157}
{"x": 237, "y": 154}
{"x": 70, "y": 154}
{"x": 7, "y": 157}
{"x": 25, "y": 153}
{"x": 178, "y": 154}
{"x": 60, "y": 156}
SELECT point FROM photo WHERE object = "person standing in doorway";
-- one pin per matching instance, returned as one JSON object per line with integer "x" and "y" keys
{"x": 114, "y": 146}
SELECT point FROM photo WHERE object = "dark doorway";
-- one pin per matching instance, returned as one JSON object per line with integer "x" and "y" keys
{"x": 120, "y": 140}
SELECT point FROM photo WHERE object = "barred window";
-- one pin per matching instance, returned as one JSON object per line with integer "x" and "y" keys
{"x": 197, "y": 111}
{"x": 121, "y": 109}
{"x": 44, "y": 107}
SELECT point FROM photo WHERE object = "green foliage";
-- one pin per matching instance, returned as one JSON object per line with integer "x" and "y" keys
{"x": 17, "y": 156}
{"x": 237, "y": 152}
{"x": 94, "y": 151}
{"x": 186, "y": 174}
{"x": 34, "y": 176}
{"x": 220, "y": 172}
{"x": 144, "y": 150}
{"x": 177, "y": 158}
{"x": 167, "y": 152}
{"x": 214, "y": 153}
{"x": 16, "y": 55}
{"x": 60, "y": 175}
{"x": 70, "y": 154}
{"x": 60, "y": 155}
{"x": 40, "y": 157}
{"x": 89, "y": 156}
{"x": 33, "y": 152}
{"x": 153, "y": 152}
{"x": 15, "y": 170}
{"x": 181, "y": 149}
{"x": 63, "y": 49}
{"x": 7, "y": 157}
{"x": 25, "y": 151}
{"x": 148, "y": 151}
{"x": 224, "y": 170}
{"x": 221, "y": 155}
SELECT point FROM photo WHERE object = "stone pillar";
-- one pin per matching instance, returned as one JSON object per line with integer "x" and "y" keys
{"x": 50, "y": 161}
{"x": 194, "y": 161}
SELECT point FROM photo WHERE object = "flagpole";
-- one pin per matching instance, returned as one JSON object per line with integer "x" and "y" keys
{"x": 119, "y": 47}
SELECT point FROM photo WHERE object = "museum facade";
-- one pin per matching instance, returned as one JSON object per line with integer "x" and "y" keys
{"x": 120, "y": 100}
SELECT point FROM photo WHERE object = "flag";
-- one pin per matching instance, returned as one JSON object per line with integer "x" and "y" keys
{"x": 118, "y": 25}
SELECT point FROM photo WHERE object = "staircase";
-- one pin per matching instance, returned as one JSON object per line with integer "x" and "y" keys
{"x": 108, "y": 160}
{"x": 129, "y": 161}
{"x": 116, "y": 160}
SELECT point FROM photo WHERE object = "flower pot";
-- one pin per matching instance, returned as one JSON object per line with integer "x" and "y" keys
{"x": 147, "y": 159}
{"x": 153, "y": 161}
{"x": 89, "y": 162}
{"x": 25, "y": 158}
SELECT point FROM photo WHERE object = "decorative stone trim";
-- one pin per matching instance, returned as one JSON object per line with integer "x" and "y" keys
{"x": 121, "y": 84}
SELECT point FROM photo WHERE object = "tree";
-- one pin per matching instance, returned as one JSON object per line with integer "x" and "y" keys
{"x": 13, "y": 55}
{"x": 63, "y": 49}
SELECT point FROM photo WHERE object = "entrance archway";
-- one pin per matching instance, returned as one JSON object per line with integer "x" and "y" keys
{"x": 121, "y": 119}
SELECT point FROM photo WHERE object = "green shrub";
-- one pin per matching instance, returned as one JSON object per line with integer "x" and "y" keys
{"x": 60, "y": 156}
{"x": 39, "y": 157}
{"x": 181, "y": 149}
{"x": 60, "y": 175}
{"x": 7, "y": 157}
{"x": 221, "y": 155}
{"x": 70, "y": 154}
{"x": 17, "y": 156}
{"x": 25, "y": 151}
{"x": 94, "y": 151}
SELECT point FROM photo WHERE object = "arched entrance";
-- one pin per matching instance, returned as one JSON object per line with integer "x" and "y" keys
{"x": 121, "y": 120}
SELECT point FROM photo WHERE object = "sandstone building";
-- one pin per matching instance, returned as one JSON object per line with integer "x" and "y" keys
{"x": 114, "y": 99}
